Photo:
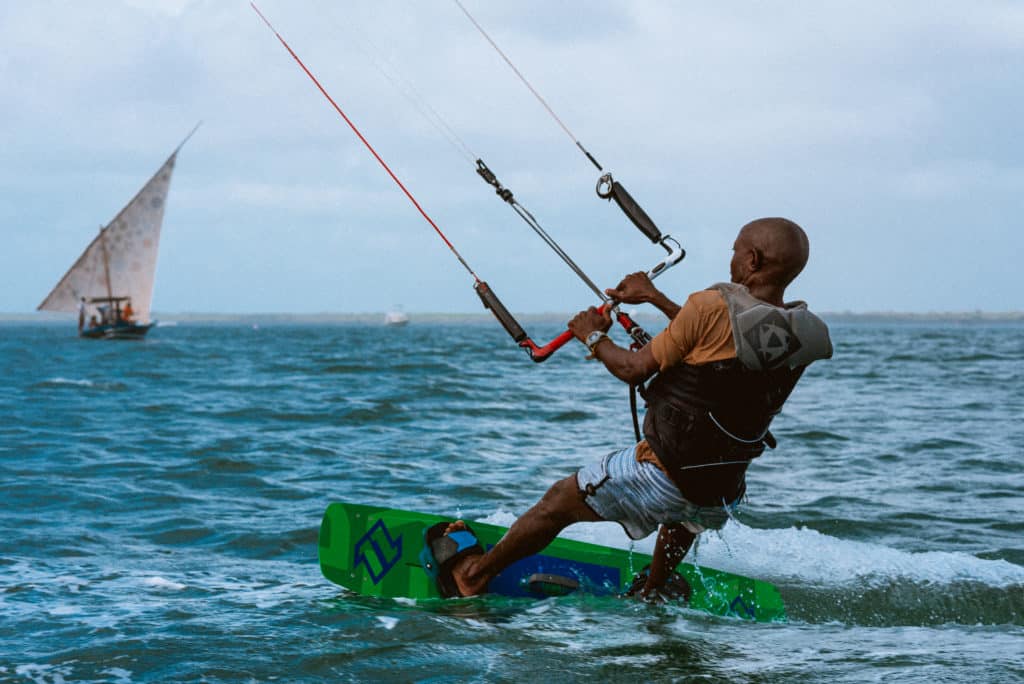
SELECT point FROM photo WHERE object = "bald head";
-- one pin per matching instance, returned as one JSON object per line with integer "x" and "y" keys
{"x": 769, "y": 253}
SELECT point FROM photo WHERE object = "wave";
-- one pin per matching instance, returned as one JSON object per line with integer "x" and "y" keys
{"x": 824, "y": 578}
{"x": 80, "y": 382}
{"x": 157, "y": 582}
{"x": 804, "y": 556}
{"x": 810, "y": 557}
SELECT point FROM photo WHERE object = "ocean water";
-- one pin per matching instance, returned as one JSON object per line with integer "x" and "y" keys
{"x": 161, "y": 499}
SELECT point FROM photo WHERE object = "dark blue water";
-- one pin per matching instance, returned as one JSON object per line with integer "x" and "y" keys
{"x": 161, "y": 502}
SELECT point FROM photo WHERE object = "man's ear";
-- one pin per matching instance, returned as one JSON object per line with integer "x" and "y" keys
{"x": 756, "y": 259}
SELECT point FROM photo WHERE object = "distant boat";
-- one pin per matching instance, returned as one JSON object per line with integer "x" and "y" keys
{"x": 111, "y": 283}
{"x": 396, "y": 318}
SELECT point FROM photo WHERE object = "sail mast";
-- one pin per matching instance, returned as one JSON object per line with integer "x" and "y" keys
{"x": 106, "y": 268}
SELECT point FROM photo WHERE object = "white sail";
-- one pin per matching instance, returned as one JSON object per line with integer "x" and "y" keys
{"x": 126, "y": 249}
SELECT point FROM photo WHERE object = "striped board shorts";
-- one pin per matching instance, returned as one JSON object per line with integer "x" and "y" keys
{"x": 639, "y": 496}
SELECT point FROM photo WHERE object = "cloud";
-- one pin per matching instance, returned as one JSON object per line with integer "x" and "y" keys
{"x": 962, "y": 179}
{"x": 874, "y": 125}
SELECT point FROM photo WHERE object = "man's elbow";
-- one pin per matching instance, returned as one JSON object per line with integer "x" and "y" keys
{"x": 634, "y": 372}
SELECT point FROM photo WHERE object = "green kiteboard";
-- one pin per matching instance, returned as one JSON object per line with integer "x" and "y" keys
{"x": 375, "y": 551}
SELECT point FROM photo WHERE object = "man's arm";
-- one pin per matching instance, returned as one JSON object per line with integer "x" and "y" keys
{"x": 637, "y": 288}
{"x": 673, "y": 543}
{"x": 629, "y": 366}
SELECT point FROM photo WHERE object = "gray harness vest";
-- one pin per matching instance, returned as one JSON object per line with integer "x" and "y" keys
{"x": 706, "y": 423}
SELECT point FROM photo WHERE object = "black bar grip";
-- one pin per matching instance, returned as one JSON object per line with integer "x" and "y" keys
{"x": 492, "y": 302}
{"x": 637, "y": 215}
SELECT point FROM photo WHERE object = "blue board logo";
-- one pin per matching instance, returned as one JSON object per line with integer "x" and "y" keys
{"x": 377, "y": 551}
{"x": 740, "y": 607}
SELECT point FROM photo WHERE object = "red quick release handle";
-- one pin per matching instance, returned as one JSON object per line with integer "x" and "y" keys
{"x": 541, "y": 353}
{"x": 640, "y": 336}
{"x": 538, "y": 353}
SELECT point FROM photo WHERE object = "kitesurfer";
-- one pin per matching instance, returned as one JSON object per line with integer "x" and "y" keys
{"x": 721, "y": 370}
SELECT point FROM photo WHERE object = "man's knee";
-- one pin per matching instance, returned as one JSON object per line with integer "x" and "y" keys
{"x": 565, "y": 501}
{"x": 563, "y": 491}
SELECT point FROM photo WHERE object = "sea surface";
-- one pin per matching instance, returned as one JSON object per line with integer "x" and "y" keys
{"x": 161, "y": 499}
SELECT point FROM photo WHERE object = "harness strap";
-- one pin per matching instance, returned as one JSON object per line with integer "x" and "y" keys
{"x": 757, "y": 440}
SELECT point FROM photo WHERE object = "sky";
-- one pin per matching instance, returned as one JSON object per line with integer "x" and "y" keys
{"x": 890, "y": 131}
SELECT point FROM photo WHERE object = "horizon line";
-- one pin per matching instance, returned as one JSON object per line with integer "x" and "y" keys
{"x": 14, "y": 316}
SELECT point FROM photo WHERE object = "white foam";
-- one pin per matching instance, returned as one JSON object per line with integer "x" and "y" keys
{"x": 388, "y": 622}
{"x": 807, "y": 556}
{"x": 157, "y": 582}
{"x": 649, "y": 660}
{"x": 119, "y": 675}
{"x": 478, "y": 624}
{"x": 42, "y": 674}
{"x": 603, "y": 533}
{"x": 71, "y": 381}
{"x": 63, "y": 609}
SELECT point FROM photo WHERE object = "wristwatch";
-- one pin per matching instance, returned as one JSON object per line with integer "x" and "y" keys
{"x": 592, "y": 341}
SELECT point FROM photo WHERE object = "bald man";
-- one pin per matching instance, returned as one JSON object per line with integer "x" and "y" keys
{"x": 721, "y": 371}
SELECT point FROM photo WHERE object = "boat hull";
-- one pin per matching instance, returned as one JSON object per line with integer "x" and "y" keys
{"x": 121, "y": 331}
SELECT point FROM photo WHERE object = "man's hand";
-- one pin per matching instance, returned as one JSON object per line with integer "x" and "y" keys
{"x": 628, "y": 366}
{"x": 674, "y": 589}
{"x": 586, "y": 322}
{"x": 661, "y": 579}
{"x": 636, "y": 288}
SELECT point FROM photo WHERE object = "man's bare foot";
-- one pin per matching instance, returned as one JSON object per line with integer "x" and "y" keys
{"x": 464, "y": 572}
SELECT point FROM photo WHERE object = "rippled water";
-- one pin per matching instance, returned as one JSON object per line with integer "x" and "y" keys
{"x": 161, "y": 502}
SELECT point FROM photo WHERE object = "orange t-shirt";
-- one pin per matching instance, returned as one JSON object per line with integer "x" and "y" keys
{"x": 700, "y": 333}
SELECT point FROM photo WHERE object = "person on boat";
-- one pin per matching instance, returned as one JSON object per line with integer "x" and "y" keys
{"x": 93, "y": 322}
{"x": 128, "y": 313}
{"x": 722, "y": 370}
{"x": 81, "y": 314}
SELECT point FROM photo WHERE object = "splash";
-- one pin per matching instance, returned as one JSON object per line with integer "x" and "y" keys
{"x": 806, "y": 556}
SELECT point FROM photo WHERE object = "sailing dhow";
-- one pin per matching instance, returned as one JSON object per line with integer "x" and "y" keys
{"x": 111, "y": 283}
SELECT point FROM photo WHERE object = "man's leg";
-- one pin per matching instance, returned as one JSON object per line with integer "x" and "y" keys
{"x": 560, "y": 507}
